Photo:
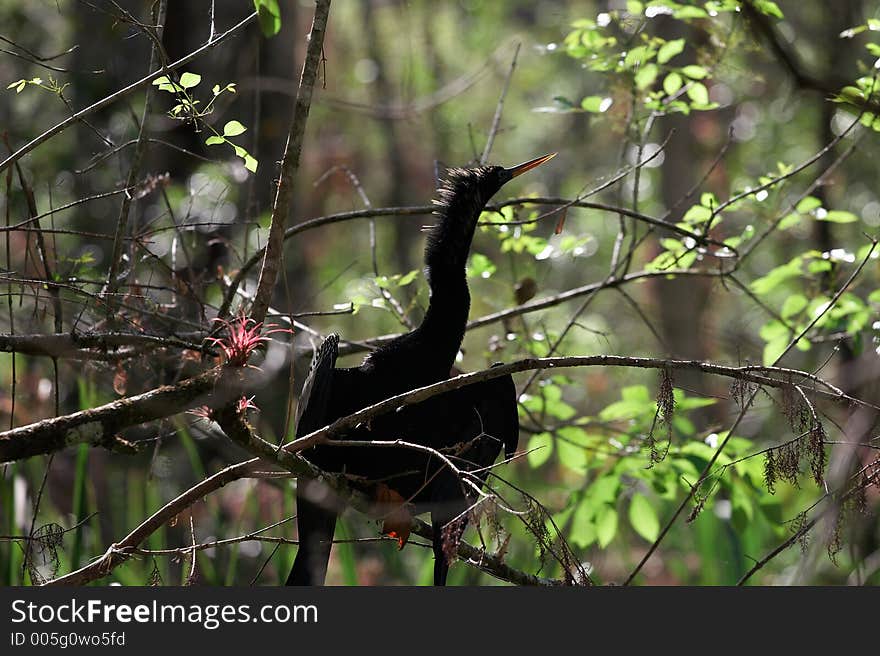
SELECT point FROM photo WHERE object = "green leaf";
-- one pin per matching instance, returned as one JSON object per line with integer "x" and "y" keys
{"x": 250, "y": 163}
{"x": 698, "y": 93}
{"x": 604, "y": 490}
{"x": 672, "y": 83}
{"x": 774, "y": 349}
{"x": 637, "y": 55}
{"x": 480, "y": 266}
{"x": 190, "y": 80}
{"x": 233, "y": 129}
{"x": 697, "y": 214}
{"x": 776, "y": 276}
{"x": 643, "y": 518}
{"x": 687, "y": 11}
{"x": 793, "y": 305}
{"x": 214, "y": 139}
{"x": 768, "y": 8}
{"x": 572, "y": 456}
{"x": 269, "y": 15}
{"x": 838, "y": 216}
{"x": 808, "y": 204}
{"x": 165, "y": 84}
{"x": 596, "y": 104}
{"x": 695, "y": 72}
{"x": 788, "y": 221}
{"x": 646, "y": 76}
{"x": 571, "y": 443}
{"x": 583, "y": 528}
{"x": 773, "y": 329}
{"x": 635, "y": 400}
{"x": 606, "y": 525}
{"x": 636, "y": 393}
{"x": 635, "y": 7}
{"x": 542, "y": 443}
{"x": 669, "y": 50}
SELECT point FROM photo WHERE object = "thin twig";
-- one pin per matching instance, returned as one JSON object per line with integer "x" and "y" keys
{"x": 496, "y": 119}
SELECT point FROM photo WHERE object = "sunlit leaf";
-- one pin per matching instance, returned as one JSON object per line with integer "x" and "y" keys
{"x": 190, "y": 80}
{"x": 643, "y": 518}
{"x": 269, "y": 14}
{"x": 606, "y": 525}
{"x": 669, "y": 50}
{"x": 646, "y": 76}
{"x": 698, "y": 92}
{"x": 793, "y": 305}
{"x": 672, "y": 83}
{"x": 694, "y": 72}
{"x": 233, "y": 129}
{"x": 539, "y": 448}
{"x": 839, "y": 216}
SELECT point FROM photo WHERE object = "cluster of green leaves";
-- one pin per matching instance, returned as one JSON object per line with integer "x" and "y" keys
{"x": 849, "y": 315}
{"x": 616, "y": 43}
{"x": 519, "y": 237}
{"x": 708, "y": 214}
{"x": 619, "y": 43}
{"x": 613, "y": 452}
{"x": 368, "y": 291}
{"x": 187, "y": 108}
{"x": 515, "y": 238}
{"x": 863, "y": 92}
{"x": 51, "y": 85}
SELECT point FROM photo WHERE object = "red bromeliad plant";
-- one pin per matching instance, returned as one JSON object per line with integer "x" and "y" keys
{"x": 243, "y": 338}
{"x": 241, "y": 407}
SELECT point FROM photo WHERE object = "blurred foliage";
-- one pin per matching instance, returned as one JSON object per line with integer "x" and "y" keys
{"x": 708, "y": 128}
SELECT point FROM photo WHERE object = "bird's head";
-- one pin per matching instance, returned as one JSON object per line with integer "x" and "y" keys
{"x": 474, "y": 186}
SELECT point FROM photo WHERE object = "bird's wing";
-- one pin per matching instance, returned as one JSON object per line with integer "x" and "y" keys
{"x": 314, "y": 400}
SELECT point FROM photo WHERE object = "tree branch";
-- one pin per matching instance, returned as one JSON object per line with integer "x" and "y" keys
{"x": 99, "y": 426}
{"x": 422, "y": 393}
{"x": 134, "y": 170}
{"x": 290, "y": 163}
{"x": 116, "y": 554}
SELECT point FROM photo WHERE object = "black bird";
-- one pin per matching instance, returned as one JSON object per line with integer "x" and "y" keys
{"x": 479, "y": 418}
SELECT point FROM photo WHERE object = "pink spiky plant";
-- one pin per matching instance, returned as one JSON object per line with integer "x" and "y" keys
{"x": 244, "y": 336}
{"x": 241, "y": 407}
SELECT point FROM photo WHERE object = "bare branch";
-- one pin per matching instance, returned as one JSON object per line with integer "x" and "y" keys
{"x": 290, "y": 163}
{"x": 99, "y": 426}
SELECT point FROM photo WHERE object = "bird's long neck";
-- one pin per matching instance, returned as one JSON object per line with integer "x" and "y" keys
{"x": 445, "y": 258}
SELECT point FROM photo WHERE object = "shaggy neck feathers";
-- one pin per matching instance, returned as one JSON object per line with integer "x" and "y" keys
{"x": 460, "y": 200}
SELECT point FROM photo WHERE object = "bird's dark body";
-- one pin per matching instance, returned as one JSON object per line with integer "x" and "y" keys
{"x": 448, "y": 423}
{"x": 471, "y": 425}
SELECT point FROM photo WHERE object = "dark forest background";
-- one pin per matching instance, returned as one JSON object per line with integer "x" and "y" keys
{"x": 714, "y": 199}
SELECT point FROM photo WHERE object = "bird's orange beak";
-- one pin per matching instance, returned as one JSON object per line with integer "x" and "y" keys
{"x": 519, "y": 169}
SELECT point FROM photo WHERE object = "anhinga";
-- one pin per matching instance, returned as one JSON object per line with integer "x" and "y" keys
{"x": 481, "y": 417}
